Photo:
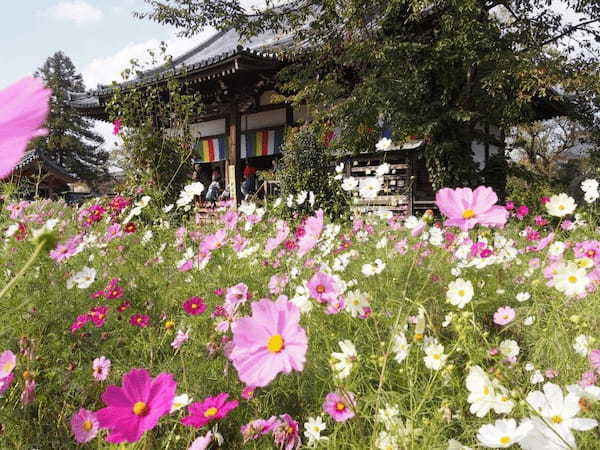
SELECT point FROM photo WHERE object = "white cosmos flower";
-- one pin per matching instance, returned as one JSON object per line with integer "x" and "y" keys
{"x": 528, "y": 320}
{"x": 356, "y": 302}
{"x": 558, "y": 416}
{"x": 509, "y": 348}
{"x": 311, "y": 198}
{"x": 313, "y": 429}
{"x": 369, "y": 187}
{"x": 557, "y": 248}
{"x": 570, "y": 279}
{"x": 400, "y": 347}
{"x": 503, "y": 433}
{"x": 561, "y": 205}
{"x": 453, "y": 444}
{"x": 536, "y": 377}
{"x": 194, "y": 188}
{"x": 384, "y": 144}
{"x": 485, "y": 394}
{"x": 343, "y": 362}
{"x": 301, "y": 197}
{"x": 460, "y": 292}
{"x": 589, "y": 185}
{"x": 434, "y": 356}
{"x": 349, "y": 184}
{"x": 83, "y": 279}
{"x": 168, "y": 207}
{"x": 582, "y": 345}
{"x": 591, "y": 393}
{"x": 278, "y": 202}
{"x": 368, "y": 270}
{"x": 180, "y": 401}
{"x": 523, "y": 296}
{"x": 382, "y": 170}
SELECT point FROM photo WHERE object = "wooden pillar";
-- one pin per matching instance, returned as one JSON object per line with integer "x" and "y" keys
{"x": 233, "y": 169}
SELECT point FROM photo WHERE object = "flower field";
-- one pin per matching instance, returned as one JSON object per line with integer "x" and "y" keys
{"x": 130, "y": 324}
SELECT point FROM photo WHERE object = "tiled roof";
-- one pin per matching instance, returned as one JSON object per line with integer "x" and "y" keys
{"x": 36, "y": 154}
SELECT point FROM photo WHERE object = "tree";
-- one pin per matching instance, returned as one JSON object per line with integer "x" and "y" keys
{"x": 71, "y": 141}
{"x": 439, "y": 69}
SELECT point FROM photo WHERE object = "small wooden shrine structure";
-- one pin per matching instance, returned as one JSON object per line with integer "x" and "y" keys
{"x": 46, "y": 177}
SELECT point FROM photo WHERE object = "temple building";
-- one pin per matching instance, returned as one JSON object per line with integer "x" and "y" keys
{"x": 245, "y": 122}
{"x": 44, "y": 177}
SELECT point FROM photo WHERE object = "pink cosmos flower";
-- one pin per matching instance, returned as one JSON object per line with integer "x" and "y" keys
{"x": 180, "y": 338}
{"x": 8, "y": 361}
{"x": 98, "y": 315}
{"x": 80, "y": 322}
{"x": 339, "y": 407}
{"x": 323, "y": 287}
{"x": 522, "y": 211}
{"x": 28, "y": 394}
{"x": 194, "y": 306}
{"x": 257, "y": 428}
{"x": 588, "y": 378}
{"x": 248, "y": 392}
{"x": 101, "y": 368}
{"x": 202, "y": 442}
{"x": 540, "y": 221}
{"x": 594, "y": 358}
{"x": 136, "y": 407}
{"x": 312, "y": 231}
{"x": 211, "y": 408}
{"x": 24, "y": 110}
{"x": 213, "y": 241}
{"x": 114, "y": 231}
{"x": 6, "y": 382}
{"x": 286, "y": 434}
{"x": 277, "y": 284}
{"x": 504, "y": 315}
{"x": 117, "y": 126}
{"x": 84, "y": 426}
{"x": 282, "y": 232}
{"x": 235, "y": 296}
{"x": 269, "y": 342}
{"x": 139, "y": 320}
{"x": 113, "y": 290}
{"x": 466, "y": 208}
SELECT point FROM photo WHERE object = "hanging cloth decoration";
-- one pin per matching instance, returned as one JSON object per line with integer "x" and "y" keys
{"x": 210, "y": 149}
{"x": 261, "y": 142}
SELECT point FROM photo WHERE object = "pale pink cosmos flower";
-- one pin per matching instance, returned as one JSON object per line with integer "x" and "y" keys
{"x": 28, "y": 394}
{"x": 339, "y": 406}
{"x": 202, "y": 442}
{"x": 269, "y": 342}
{"x": 466, "y": 208}
{"x": 312, "y": 231}
{"x": 84, "y": 426}
{"x": 504, "y": 315}
{"x": 8, "y": 361}
{"x": 101, "y": 368}
{"x": 323, "y": 287}
{"x": 594, "y": 357}
{"x": 180, "y": 339}
{"x": 23, "y": 110}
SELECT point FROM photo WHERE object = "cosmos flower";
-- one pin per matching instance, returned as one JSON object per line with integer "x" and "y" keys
{"x": 139, "y": 320}
{"x": 312, "y": 231}
{"x": 194, "y": 306}
{"x": 136, "y": 407}
{"x": 460, "y": 292}
{"x": 504, "y": 315}
{"x": 84, "y": 426}
{"x": 503, "y": 433}
{"x": 466, "y": 208}
{"x": 24, "y": 110}
{"x": 323, "y": 287}
{"x": 339, "y": 406}
{"x": 211, "y": 408}
{"x": 560, "y": 205}
{"x": 8, "y": 361}
{"x": 269, "y": 342}
{"x": 101, "y": 368}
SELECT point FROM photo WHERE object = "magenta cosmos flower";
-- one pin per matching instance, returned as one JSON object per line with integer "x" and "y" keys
{"x": 84, "y": 425}
{"x": 466, "y": 208}
{"x": 139, "y": 320}
{"x": 137, "y": 406}
{"x": 24, "y": 109}
{"x": 211, "y": 408}
{"x": 101, "y": 368}
{"x": 504, "y": 315}
{"x": 269, "y": 342}
{"x": 8, "y": 361}
{"x": 339, "y": 407}
{"x": 194, "y": 306}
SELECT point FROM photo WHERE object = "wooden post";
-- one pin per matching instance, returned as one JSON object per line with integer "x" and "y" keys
{"x": 233, "y": 169}
{"x": 411, "y": 183}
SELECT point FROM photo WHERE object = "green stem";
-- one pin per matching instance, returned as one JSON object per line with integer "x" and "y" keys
{"x": 24, "y": 269}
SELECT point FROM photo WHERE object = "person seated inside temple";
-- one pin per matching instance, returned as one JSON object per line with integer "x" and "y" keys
{"x": 214, "y": 189}
{"x": 249, "y": 184}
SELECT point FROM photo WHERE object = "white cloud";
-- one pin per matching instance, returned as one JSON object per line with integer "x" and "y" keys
{"x": 78, "y": 12}
{"x": 104, "y": 70}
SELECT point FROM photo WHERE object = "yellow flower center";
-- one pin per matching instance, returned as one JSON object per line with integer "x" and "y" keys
{"x": 418, "y": 337}
{"x": 504, "y": 440}
{"x": 436, "y": 356}
{"x": 275, "y": 343}
{"x": 556, "y": 419}
{"x": 8, "y": 367}
{"x": 468, "y": 214}
{"x": 340, "y": 406}
{"x": 211, "y": 412}
{"x": 87, "y": 425}
{"x": 591, "y": 253}
{"x": 461, "y": 293}
{"x": 572, "y": 279}
{"x": 140, "y": 409}
{"x": 561, "y": 207}
{"x": 194, "y": 306}
{"x": 486, "y": 390}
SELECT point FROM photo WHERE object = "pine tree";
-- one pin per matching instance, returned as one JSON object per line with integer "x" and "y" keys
{"x": 71, "y": 141}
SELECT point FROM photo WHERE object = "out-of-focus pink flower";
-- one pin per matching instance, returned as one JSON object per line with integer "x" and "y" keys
{"x": 466, "y": 208}
{"x": 286, "y": 434}
{"x": 117, "y": 126}
{"x": 594, "y": 358}
{"x": 504, "y": 315}
{"x": 202, "y": 442}
{"x": 8, "y": 361}
{"x": 248, "y": 392}
{"x": 84, "y": 426}
{"x": 180, "y": 338}
{"x": 28, "y": 394}
{"x": 522, "y": 211}
{"x": 312, "y": 231}
{"x": 257, "y": 428}
{"x": 24, "y": 110}
{"x": 101, "y": 368}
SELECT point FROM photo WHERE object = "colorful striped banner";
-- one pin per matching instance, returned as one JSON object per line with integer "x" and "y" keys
{"x": 212, "y": 149}
{"x": 261, "y": 142}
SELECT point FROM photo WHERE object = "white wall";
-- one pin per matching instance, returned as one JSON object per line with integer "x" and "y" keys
{"x": 263, "y": 119}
